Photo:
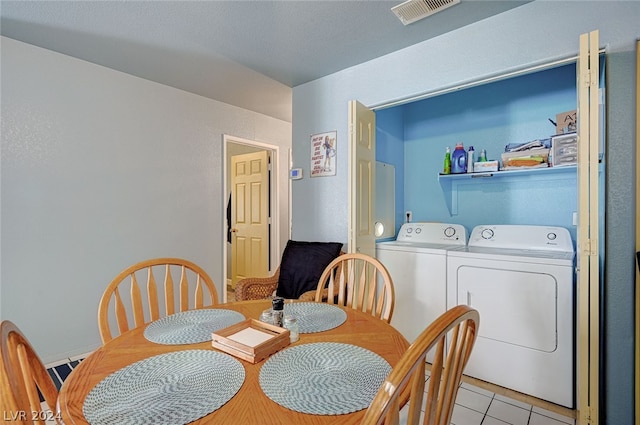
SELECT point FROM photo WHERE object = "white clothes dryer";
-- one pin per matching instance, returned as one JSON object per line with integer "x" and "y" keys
{"x": 521, "y": 280}
{"x": 417, "y": 263}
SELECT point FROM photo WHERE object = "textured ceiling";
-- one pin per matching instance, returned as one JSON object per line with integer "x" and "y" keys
{"x": 245, "y": 53}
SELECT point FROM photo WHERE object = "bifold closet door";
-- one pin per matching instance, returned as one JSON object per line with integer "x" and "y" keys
{"x": 588, "y": 268}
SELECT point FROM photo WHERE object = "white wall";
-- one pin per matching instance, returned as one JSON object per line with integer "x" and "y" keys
{"x": 101, "y": 169}
{"x": 535, "y": 33}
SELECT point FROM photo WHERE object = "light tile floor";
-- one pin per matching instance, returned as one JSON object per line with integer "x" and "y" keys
{"x": 474, "y": 405}
{"x": 477, "y": 406}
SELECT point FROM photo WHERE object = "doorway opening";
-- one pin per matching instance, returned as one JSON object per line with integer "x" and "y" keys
{"x": 250, "y": 194}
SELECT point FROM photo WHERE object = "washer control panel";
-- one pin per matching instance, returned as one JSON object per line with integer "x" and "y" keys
{"x": 433, "y": 233}
{"x": 522, "y": 237}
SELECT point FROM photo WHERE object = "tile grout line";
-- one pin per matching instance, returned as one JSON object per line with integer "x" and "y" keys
{"x": 493, "y": 397}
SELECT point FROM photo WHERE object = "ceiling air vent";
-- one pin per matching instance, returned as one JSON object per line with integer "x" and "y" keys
{"x": 414, "y": 10}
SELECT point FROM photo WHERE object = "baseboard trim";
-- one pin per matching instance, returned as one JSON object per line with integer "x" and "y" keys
{"x": 525, "y": 398}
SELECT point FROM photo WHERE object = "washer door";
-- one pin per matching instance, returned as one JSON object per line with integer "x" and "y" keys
{"x": 517, "y": 307}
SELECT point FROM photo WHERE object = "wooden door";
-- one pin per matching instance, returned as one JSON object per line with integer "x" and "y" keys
{"x": 362, "y": 178}
{"x": 250, "y": 215}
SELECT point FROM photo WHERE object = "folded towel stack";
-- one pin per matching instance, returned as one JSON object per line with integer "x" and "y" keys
{"x": 534, "y": 154}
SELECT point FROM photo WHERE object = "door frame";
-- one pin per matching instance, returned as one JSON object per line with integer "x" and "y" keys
{"x": 637, "y": 331}
{"x": 274, "y": 230}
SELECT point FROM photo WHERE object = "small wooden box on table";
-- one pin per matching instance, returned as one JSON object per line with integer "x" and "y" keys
{"x": 251, "y": 340}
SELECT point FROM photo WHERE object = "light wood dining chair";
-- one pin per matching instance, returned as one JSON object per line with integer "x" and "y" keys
{"x": 358, "y": 281}
{"x": 22, "y": 376}
{"x": 193, "y": 283}
{"x": 460, "y": 326}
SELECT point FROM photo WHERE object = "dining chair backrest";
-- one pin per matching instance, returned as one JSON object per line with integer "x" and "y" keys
{"x": 460, "y": 326}
{"x": 296, "y": 277}
{"x": 194, "y": 289}
{"x": 358, "y": 281}
{"x": 22, "y": 377}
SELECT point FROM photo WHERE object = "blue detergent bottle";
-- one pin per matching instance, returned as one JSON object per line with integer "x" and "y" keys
{"x": 459, "y": 160}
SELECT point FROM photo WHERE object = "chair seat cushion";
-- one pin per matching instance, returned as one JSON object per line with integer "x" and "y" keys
{"x": 302, "y": 265}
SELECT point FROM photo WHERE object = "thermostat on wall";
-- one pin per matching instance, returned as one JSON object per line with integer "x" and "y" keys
{"x": 295, "y": 173}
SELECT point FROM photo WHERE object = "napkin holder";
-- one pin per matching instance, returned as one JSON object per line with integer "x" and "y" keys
{"x": 250, "y": 340}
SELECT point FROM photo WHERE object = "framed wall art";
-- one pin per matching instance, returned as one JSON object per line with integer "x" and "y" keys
{"x": 323, "y": 154}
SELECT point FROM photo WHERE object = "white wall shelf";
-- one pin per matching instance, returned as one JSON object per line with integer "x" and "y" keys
{"x": 450, "y": 182}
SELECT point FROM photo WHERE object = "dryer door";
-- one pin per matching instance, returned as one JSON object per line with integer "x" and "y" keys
{"x": 525, "y": 338}
{"x": 518, "y": 306}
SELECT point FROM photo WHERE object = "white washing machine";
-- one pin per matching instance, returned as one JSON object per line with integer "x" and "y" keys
{"x": 521, "y": 280}
{"x": 417, "y": 263}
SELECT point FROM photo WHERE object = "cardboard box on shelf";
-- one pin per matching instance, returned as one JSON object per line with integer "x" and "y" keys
{"x": 486, "y": 166}
{"x": 566, "y": 122}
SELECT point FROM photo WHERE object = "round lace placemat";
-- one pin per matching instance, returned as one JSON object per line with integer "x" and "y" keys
{"x": 171, "y": 388}
{"x": 315, "y": 317}
{"x": 324, "y": 378}
{"x": 191, "y": 326}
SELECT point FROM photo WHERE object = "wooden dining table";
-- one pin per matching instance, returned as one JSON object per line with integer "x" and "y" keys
{"x": 249, "y": 405}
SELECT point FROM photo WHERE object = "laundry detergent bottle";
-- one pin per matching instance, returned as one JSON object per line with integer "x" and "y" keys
{"x": 459, "y": 160}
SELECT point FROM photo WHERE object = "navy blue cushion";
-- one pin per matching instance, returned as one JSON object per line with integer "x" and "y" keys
{"x": 302, "y": 264}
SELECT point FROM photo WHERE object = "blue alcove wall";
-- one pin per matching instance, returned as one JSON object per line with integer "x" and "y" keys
{"x": 489, "y": 116}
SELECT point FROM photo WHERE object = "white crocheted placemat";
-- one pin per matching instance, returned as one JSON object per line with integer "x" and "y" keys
{"x": 191, "y": 326}
{"x": 315, "y": 317}
{"x": 323, "y": 378}
{"x": 171, "y": 388}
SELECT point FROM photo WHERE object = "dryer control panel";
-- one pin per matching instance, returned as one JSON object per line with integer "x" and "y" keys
{"x": 433, "y": 233}
{"x": 521, "y": 237}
